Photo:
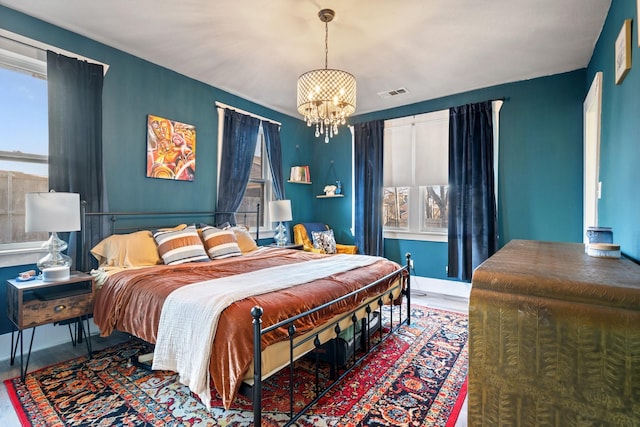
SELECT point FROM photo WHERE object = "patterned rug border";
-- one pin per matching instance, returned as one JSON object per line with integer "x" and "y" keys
{"x": 23, "y": 418}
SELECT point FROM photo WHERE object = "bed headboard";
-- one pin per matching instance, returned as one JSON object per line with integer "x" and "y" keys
{"x": 98, "y": 225}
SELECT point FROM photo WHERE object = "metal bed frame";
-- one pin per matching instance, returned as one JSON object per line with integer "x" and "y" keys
{"x": 255, "y": 391}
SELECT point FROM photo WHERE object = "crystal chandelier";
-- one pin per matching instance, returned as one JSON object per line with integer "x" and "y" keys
{"x": 326, "y": 97}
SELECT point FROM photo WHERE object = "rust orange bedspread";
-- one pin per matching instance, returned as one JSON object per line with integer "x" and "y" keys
{"x": 131, "y": 301}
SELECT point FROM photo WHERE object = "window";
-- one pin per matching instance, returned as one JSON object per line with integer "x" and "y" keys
{"x": 24, "y": 143}
{"x": 416, "y": 173}
{"x": 259, "y": 187}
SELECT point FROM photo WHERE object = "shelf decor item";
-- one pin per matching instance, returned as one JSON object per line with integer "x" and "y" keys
{"x": 300, "y": 174}
{"x": 53, "y": 212}
{"x": 623, "y": 52}
{"x": 280, "y": 211}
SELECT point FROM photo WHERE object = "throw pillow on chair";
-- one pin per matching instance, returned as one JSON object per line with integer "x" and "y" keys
{"x": 324, "y": 240}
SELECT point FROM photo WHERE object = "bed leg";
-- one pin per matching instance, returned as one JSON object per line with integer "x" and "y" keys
{"x": 408, "y": 287}
{"x": 256, "y": 312}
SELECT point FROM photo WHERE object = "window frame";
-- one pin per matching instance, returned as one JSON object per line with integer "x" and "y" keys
{"x": 17, "y": 57}
{"x": 27, "y": 55}
{"x": 266, "y": 226}
{"x": 416, "y": 230}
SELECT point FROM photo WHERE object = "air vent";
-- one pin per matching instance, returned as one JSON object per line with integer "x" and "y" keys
{"x": 395, "y": 92}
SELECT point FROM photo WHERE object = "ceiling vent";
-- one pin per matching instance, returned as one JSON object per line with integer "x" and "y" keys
{"x": 395, "y": 92}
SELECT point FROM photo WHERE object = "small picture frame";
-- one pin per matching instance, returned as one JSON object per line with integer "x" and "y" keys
{"x": 623, "y": 52}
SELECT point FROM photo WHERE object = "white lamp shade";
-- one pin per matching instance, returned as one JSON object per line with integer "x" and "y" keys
{"x": 280, "y": 210}
{"x": 52, "y": 212}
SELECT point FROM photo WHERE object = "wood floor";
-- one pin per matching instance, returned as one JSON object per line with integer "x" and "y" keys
{"x": 64, "y": 352}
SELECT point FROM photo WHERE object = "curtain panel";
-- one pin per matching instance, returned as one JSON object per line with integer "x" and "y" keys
{"x": 239, "y": 138}
{"x": 369, "y": 149}
{"x": 473, "y": 233}
{"x": 274, "y": 153}
{"x": 75, "y": 140}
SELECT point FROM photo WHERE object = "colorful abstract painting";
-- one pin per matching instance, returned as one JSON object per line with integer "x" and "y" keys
{"x": 171, "y": 149}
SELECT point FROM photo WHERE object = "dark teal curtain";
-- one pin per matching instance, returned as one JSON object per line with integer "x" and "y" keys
{"x": 75, "y": 140}
{"x": 274, "y": 153}
{"x": 472, "y": 207}
{"x": 369, "y": 149}
{"x": 239, "y": 138}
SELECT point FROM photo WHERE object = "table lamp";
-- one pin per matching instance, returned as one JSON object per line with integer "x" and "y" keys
{"x": 279, "y": 211}
{"x": 53, "y": 212}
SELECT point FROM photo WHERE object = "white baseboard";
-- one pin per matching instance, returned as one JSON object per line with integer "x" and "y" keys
{"x": 46, "y": 336}
{"x": 440, "y": 286}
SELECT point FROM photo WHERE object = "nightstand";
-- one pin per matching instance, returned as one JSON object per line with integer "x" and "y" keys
{"x": 287, "y": 246}
{"x": 35, "y": 302}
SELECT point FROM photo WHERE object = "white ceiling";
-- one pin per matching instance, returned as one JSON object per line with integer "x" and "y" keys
{"x": 256, "y": 49}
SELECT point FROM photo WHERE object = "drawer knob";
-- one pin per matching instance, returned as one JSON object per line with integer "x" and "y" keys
{"x": 59, "y": 308}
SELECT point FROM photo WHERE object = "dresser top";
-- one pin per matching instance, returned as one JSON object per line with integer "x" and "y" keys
{"x": 561, "y": 271}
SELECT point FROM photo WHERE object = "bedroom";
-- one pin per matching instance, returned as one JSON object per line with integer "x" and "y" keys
{"x": 541, "y": 167}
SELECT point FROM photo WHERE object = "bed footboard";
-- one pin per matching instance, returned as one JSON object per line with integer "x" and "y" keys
{"x": 402, "y": 275}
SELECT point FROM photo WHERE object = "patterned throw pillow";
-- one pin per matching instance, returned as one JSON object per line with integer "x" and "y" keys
{"x": 220, "y": 243}
{"x": 180, "y": 246}
{"x": 324, "y": 240}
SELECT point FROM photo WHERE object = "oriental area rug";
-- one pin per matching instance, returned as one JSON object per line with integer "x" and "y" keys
{"x": 416, "y": 377}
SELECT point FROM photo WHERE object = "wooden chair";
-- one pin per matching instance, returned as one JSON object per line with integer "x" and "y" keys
{"x": 302, "y": 236}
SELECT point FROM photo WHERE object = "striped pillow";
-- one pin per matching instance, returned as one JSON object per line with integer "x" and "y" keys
{"x": 180, "y": 246}
{"x": 220, "y": 243}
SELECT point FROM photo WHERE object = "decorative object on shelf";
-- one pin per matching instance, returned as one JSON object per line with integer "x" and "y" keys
{"x": 623, "y": 51}
{"x": 326, "y": 97}
{"x": 280, "y": 211}
{"x": 300, "y": 174}
{"x": 338, "y": 187}
{"x": 53, "y": 212}
{"x": 330, "y": 190}
{"x": 171, "y": 149}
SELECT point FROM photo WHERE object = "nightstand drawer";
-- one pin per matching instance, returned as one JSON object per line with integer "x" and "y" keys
{"x": 36, "y": 302}
{"x": 36, "y": 312}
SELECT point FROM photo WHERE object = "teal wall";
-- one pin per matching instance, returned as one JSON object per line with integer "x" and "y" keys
{"x": 540, "y": 165}
{"x": 619, "y": 206}
{"x": 134, "y": 88}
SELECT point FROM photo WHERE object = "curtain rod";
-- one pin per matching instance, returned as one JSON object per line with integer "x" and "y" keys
{"x": 44, "y": 47}
{"x": 229, "y": 107}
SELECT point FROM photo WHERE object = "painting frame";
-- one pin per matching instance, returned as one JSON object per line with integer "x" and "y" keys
{"x": 171, "y": 149}
{"x": 623, "y": 52}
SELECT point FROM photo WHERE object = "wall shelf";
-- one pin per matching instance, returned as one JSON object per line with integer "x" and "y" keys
{"x": 300, "y": 182}
{"x": 329, "y": 197}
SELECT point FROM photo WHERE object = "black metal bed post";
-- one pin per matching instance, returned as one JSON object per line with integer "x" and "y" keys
{"x": 256, "y": 312}
{"x": 408, "y": 290}
{"x": 84, "y": 258}
{"x": 258, "y": 224}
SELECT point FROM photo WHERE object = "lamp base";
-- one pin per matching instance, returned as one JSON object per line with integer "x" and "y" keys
{"x": 281, "y": 235}
{"x": 54, "y": 274}
{"x": 54, "y": 265}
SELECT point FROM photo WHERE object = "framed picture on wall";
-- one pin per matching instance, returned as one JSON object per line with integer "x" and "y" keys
{"x": 171, "y": 149}
{"x": 623, "y": 51}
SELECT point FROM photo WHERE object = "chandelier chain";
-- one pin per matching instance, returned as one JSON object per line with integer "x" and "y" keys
{"x": 326, "y": 45}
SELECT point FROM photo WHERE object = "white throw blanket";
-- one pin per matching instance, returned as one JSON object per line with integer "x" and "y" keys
{"x": 190, "y": 314}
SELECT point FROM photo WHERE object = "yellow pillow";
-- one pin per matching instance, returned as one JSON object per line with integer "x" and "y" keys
{"x": 127, "y": 250}
{"x": 245, "y": 241}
